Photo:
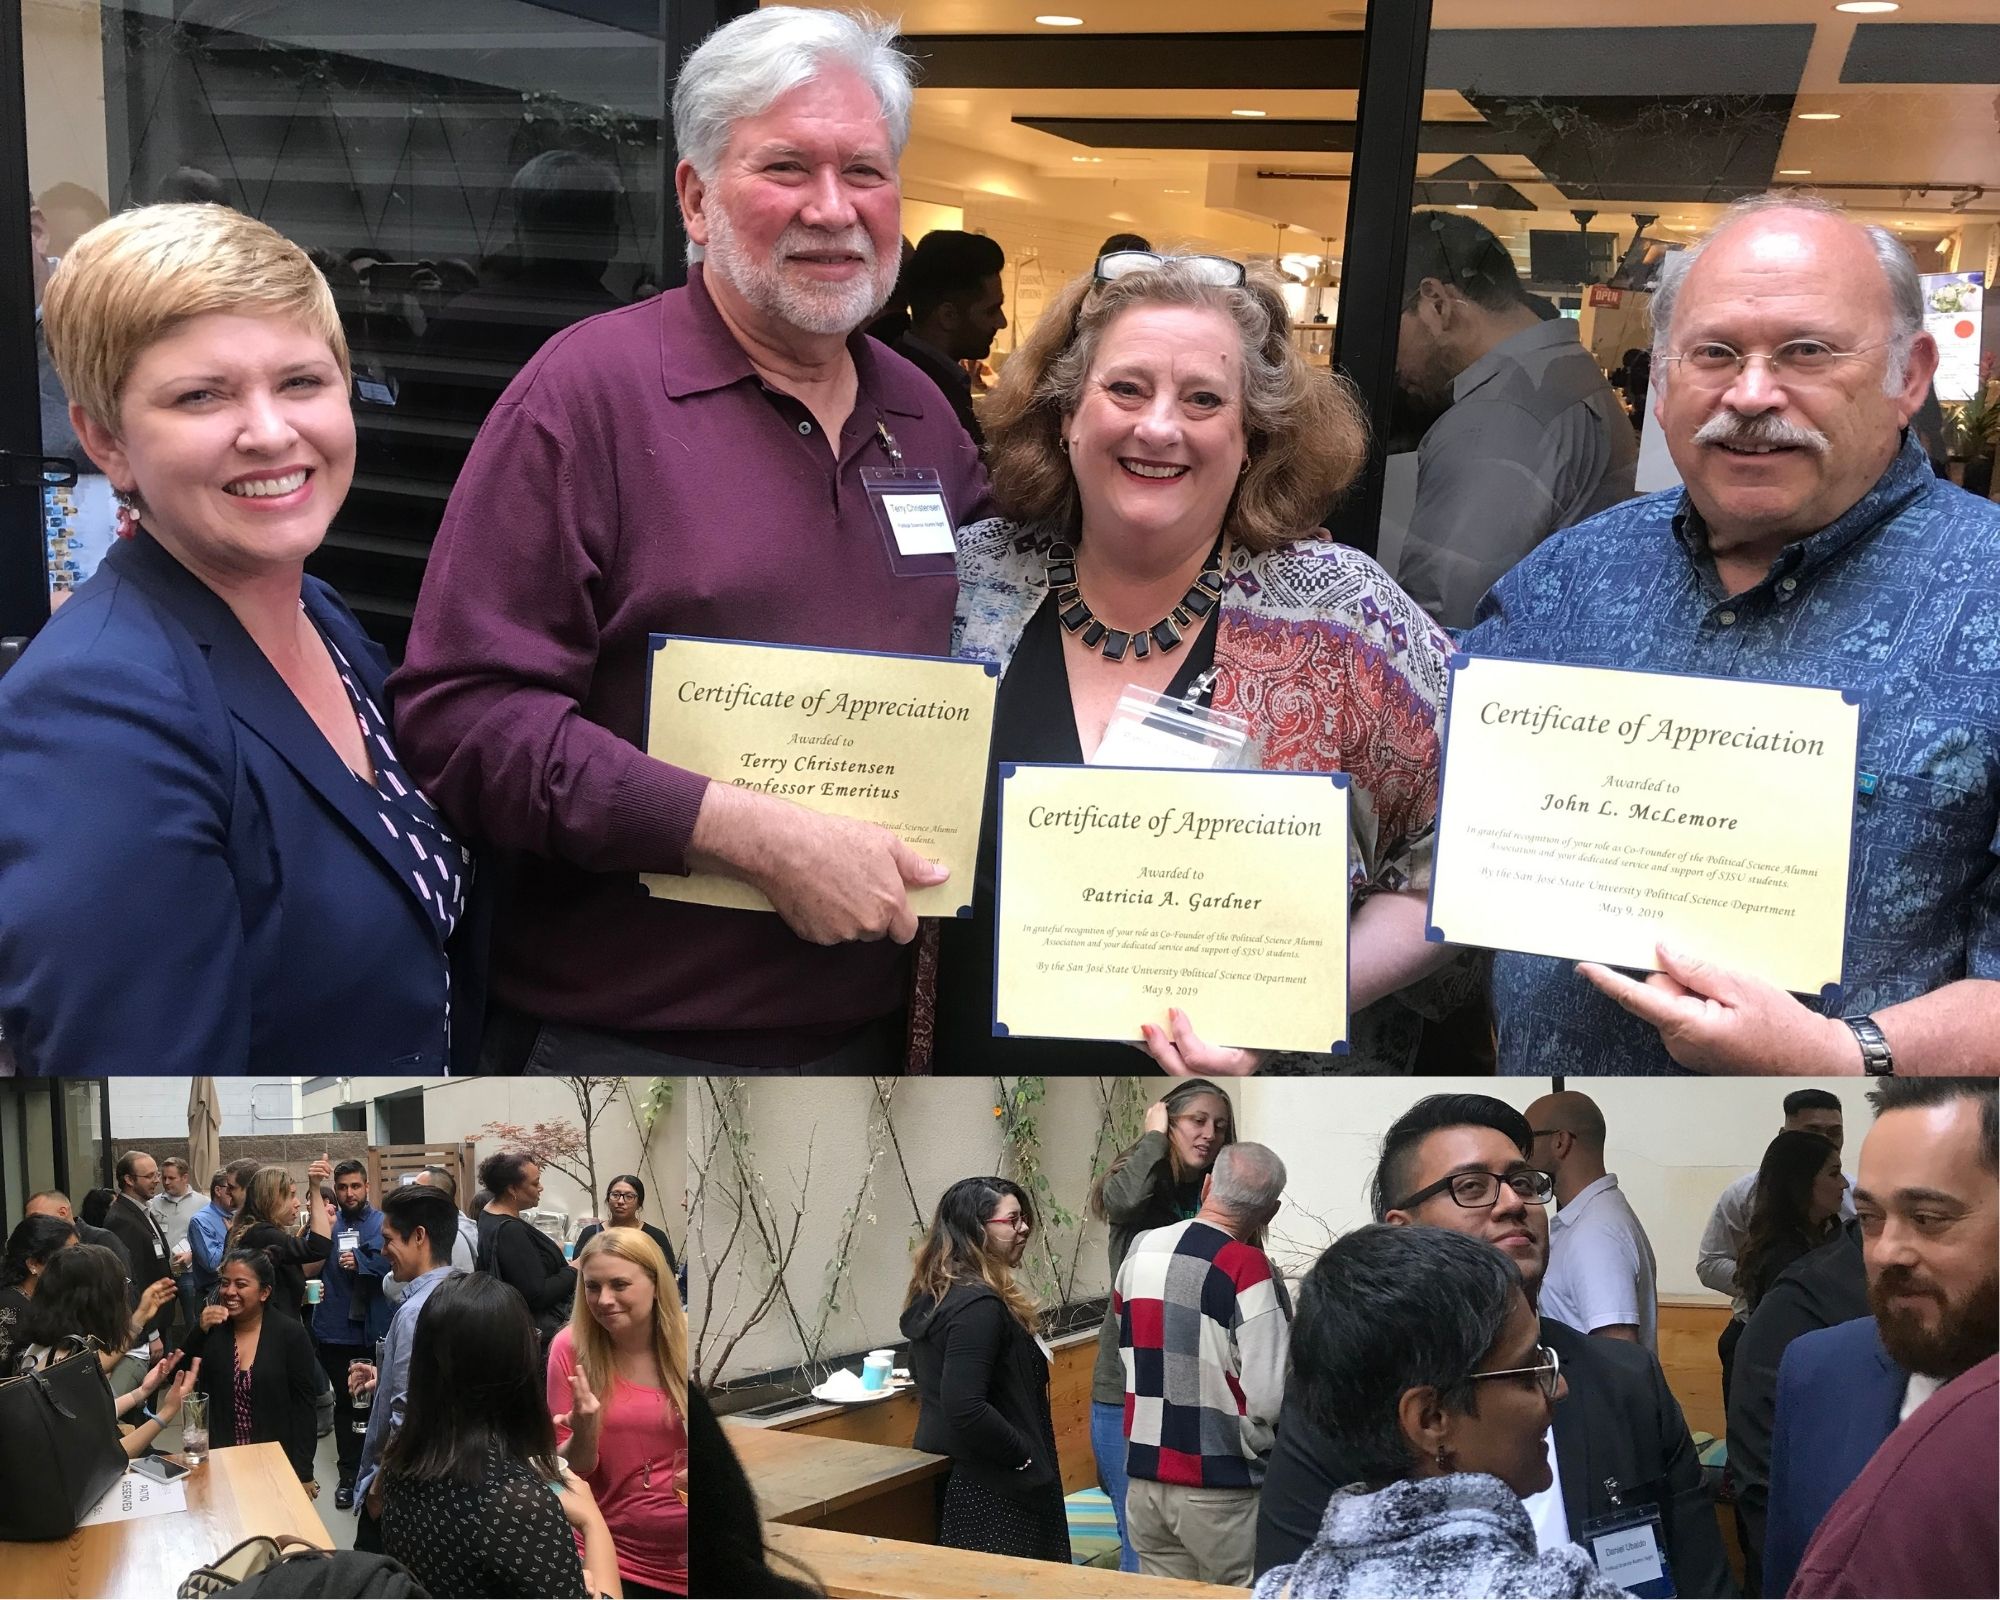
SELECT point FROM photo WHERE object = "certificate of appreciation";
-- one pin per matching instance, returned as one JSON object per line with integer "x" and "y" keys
{"x": 1593, "y": 814}
{"x": 1126, "y": 890}
{"x": 896, "y": 740}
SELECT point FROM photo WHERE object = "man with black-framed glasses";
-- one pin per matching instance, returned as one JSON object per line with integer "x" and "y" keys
{"x": 1619, "y": 1442}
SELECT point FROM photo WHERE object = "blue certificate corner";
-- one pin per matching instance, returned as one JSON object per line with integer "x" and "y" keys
{"x": 1830, "y": 996}
{"x": 1007, "y": 770}
{"x": 656, "y": 642}
{"x": 1851, "y": 696}
{"x": 963, "y": 911}
{"x": 1339, "y": 1048}
{"x": 1340, "y": 780}
{"x": 1434, "y": 934}
{"x": 990, "y": 668}
{"x": 1458, "y": 661}
{"x": 999, "y": 1029}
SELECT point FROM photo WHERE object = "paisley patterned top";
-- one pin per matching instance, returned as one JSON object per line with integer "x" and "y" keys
{"x": 1898, "y": 599}
{"x": 1334, "y": 668}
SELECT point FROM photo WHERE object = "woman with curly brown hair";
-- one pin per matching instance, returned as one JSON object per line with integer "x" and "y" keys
{"x": 1164, "y": 456}
{"x": 982, "y": 1376}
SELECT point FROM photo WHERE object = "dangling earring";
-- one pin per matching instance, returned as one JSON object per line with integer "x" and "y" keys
{"x": 1245, "y": 467}
{"x": 1443, "y": 1459}
{"x": 1062, "y": 443}
{"x": 130, "y": 512}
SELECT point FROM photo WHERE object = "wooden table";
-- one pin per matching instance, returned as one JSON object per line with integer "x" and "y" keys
{"x": 851, "y": 1564}
{"x": 238, "y": 1491}
{"x": 840, "y": 1483}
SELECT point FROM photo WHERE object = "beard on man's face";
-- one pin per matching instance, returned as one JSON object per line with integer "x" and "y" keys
{"x": 1965, "y": 1333}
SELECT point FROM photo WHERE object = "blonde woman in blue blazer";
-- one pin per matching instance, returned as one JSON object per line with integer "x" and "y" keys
{"x": 211, "y": 859}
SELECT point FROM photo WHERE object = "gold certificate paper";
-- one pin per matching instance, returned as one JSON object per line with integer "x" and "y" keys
{"x": 1592, "y": 814}
{"x": 895, "y": 740}
{"x": 1126, "y": 890}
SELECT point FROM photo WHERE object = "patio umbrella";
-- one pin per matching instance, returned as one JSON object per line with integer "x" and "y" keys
{"x": 204, "y": 1131}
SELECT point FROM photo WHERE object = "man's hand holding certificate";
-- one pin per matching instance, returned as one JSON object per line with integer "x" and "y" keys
{"x": 1594, "y": 815}
{"x": 895, "y": 741}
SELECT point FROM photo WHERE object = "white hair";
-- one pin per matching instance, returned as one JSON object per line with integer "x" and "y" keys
{"x": 1899, "y": 272}
{"x": 1247, "y": 1180}
{"x": 743, "y": 68}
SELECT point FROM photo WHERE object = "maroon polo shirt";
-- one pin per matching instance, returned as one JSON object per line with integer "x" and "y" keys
{"x": 638, "y": 477}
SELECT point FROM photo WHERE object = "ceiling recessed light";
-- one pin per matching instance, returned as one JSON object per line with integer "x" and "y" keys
{"x": 1867, "y": 8}
{"x": 1819, "y": 116}
{"x": 1465, "y": 206}
{"x": 1060, "y": 22}
{"x": 1795, "y": 172}
{"x": 1175, "y": 191}
{"x": 1094, "y": 160}
{"x": 1246, "y": 113}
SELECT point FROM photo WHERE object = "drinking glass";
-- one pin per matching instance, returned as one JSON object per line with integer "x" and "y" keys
{"x": 194, "y": 1429}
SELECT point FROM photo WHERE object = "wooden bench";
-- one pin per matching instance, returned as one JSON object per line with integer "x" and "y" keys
{"x": 877, "y": 1569}
{"x": 813, "y": 1480}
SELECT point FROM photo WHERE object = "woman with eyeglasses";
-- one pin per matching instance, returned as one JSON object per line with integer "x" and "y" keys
{"x": 982, "y": 1375}
{"x": 1163, "y": 455}
{"x": 623, "y": 1198}
{"x": 1418, "y": 1350}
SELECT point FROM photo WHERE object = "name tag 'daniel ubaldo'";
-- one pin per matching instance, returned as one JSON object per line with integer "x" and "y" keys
{"x": 1593, "y": 814}
{"x": 900, "y": 741}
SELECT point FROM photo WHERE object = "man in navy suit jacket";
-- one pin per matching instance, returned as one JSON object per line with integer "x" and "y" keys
{"x": 1930, "y": 1234}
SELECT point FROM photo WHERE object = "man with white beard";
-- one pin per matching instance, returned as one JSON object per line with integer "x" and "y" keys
{"x": 695, "y": 465}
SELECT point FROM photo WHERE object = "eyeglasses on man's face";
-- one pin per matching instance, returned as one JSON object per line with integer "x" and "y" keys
{"x": 1798, "y": 361}
{"x": 1475, "y": 1190}
{"x": 1547, "y": 1371}
{"x": 1218, "y": 272}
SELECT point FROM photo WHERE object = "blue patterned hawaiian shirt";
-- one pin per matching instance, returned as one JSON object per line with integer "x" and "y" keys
{"x": 1899, "y": 600}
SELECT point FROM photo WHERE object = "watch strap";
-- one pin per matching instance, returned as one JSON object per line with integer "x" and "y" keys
{"x": 1877, "y": 1061}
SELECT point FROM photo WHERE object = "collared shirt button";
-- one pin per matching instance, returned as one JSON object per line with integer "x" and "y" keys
{"x": 1725, "y": 617}
{"x": 1788, "y": 584}
{"x": 805, "y": 427}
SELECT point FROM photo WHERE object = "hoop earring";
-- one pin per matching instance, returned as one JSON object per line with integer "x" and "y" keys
{"x": 1062, "y": 443}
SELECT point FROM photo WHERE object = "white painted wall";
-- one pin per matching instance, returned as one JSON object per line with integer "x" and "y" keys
{"x": 156, "y": 1108}
{"x": 1673, "y": 1143}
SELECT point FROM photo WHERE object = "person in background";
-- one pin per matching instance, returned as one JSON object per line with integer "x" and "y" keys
{"x": 1810, "y": 521}
{"x": 1419, "y": 1348}
{"x": 138, "y": 1229}
{"x": 1796, "y": 1209}
{"x": 352, "y": 1313}
{"x": 474, "y": 1499}
{"x": 1929, "y": 1210}
{"x": 518, "y": 1253}
{"x": 464, "y": 1249}
{"x": 617, "y": 1386}
{"x": 1618, "y": 1441}
{"x": 1806, "y": 1111}
{"x": 1153, "y": 1183}
{"x": 1163, "y": 455}
{"x": 29, "y": 1247}
{"x": 268, "y": 1221}
{"x": 1923, "y": 1519}
{"x": 655, "y": 447}
{"x": 174, "y": 1207}
{"x": 208, "y": 1229}
{"x": 243, "y": 852}
{"x": 1529, "y": 436}
{"x": 1203, "y": 1321}
{"x": 1602, "y": 1277}
{"x": 982, "y": 1376}
{"x": 624, "y": 1195}
{"x": 54, "y": 1203}
{"x": 418, "y": 1234}
{"x": 1123, "y": 241}
{"x": 81, "y": 1293}
{"x": 956, "y": 309}
{"x": 258, "y": 1370}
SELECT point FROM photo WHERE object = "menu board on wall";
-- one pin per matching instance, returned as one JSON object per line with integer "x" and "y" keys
{"x": 1952, "y": 312}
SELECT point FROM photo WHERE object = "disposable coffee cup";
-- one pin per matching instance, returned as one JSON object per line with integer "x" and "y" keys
{"x": 876, "y": 1368}
{"x": 315, "y": 1291}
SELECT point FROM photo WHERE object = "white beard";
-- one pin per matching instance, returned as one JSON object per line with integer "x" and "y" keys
{"x": 819, "y": 308}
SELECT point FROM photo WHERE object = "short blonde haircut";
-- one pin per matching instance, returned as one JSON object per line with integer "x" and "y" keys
{"x": 1306, "y": 432}
{"x": 136, "y": 278}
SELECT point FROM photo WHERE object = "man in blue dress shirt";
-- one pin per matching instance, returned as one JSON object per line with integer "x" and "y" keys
{"x": 1812, "y": 545}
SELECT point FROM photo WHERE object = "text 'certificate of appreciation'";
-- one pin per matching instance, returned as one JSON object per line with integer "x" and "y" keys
{"x": 900, "y": 741}
{"x": 1592, "y": 814}
{"x": 1126, "y": 890}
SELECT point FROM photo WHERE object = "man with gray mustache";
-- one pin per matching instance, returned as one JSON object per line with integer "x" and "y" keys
{"x": 696, "y": 464}
{"x": 1812, "y": 545}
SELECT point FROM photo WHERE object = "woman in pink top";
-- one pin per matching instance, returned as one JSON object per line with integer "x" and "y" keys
{"x": 618, "y": 1389}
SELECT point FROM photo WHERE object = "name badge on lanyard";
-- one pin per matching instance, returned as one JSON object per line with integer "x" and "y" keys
{"x": 1628, "y": 1548}
{"x": 911, "y": 511}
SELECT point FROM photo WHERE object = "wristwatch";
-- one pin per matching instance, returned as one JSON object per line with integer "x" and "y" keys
{"x": 1876, "y": 1059}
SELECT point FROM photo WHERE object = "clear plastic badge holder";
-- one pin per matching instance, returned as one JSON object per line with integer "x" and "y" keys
{"x": 1149, "y": 729}
{"x": 914, "y": 519}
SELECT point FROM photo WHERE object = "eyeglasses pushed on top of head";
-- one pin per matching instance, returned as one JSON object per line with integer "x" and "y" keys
{"x": 1218, "y": 272}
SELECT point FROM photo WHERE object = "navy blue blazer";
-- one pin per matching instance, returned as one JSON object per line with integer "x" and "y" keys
{"x": 1838, "y": 1398}
{"x": 191, "y": 879}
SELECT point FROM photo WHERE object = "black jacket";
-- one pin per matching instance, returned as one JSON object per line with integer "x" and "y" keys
{"x": 982, "y": 1390}
{"x": 1821, "y": 1289}
{"x": 284, "y": 1388}
{"x": 520, "y": 1254}
{"x": 953, "y": 383}
{"x": 145, "y": 1244}
{"x": 1619, "y": 1421}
